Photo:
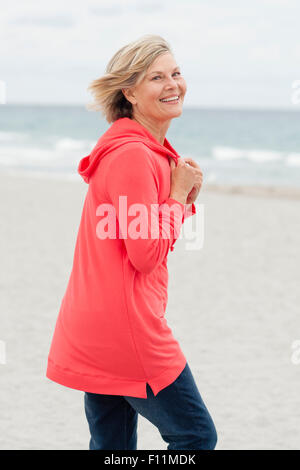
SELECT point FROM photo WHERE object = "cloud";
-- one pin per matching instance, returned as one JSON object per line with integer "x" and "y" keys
{"x": 118, "y": 8}
{"x": 106, "y": 10}
{"x": 47, "y": 21}
{"x": 214, "y": 43}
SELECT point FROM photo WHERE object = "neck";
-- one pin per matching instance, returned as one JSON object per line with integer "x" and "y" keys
{"x": 157, "y": 129}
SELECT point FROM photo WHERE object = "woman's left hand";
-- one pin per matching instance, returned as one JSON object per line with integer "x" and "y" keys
{"x": 193, "y": 194}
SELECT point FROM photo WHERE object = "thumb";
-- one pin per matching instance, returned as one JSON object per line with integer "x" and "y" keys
{"x": 181, "y": 161}
{"x": 172, "y": 163}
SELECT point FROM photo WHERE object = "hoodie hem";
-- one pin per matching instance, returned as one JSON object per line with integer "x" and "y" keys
{"x": 95, "y": 384}
{"x": 116, "y": 386}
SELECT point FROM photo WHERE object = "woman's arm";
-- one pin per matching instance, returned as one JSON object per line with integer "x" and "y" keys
{"x": 132, "y": 173}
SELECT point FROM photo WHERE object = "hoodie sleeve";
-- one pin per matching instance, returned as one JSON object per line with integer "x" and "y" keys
{"x": 189, "y": 209}
{"x": 149, "y": 229}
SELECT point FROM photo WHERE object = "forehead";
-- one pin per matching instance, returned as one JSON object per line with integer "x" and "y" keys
{"x": 164, "y": 62}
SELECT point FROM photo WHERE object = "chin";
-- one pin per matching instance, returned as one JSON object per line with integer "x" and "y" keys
{"x": 177, "y": 113}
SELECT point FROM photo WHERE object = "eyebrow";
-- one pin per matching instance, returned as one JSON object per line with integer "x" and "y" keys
{"x": 162, "y": 72}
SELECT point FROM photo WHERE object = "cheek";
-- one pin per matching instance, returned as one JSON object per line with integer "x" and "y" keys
{"x": 156, "y": 90}
{"x": 152, "y": 95}
{"x": 183, "y": 85}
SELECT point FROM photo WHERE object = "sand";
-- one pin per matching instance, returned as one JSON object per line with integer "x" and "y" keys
{"x": 233, "y": 306}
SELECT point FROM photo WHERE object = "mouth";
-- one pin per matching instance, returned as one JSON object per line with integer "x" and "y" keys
{"x": 171, "y": 100}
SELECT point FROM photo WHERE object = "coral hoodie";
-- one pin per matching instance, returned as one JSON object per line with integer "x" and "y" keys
{"x": 111, "y": 334}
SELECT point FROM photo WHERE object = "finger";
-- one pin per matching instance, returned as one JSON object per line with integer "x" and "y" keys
{"x": 191, "y": 162}
{"x": 198, "y": 172}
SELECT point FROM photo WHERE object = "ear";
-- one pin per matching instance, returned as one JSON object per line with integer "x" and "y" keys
{"x": 124, "y": 92}
{"x": 129, "y": 95}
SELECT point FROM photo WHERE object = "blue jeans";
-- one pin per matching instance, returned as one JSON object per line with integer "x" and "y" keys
{"x": 178, "y": 412}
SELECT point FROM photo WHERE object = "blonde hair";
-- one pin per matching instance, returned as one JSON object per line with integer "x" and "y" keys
{"x": 126, "y": 69}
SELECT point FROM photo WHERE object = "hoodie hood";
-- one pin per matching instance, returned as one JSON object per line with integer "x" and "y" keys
{"x": 121, "y": 132}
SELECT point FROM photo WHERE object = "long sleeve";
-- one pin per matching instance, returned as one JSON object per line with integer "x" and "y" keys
{"x": 132, "y": 173}
{"x": 189, "y": 209}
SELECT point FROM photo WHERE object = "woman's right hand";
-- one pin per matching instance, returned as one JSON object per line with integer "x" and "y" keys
{"x": 182, "y": 180}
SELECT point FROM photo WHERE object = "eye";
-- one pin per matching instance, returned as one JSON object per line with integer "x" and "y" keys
{"x": 157, "y": 76}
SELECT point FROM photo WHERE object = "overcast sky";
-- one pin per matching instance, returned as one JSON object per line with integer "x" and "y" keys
{"x": 232, "y": 53}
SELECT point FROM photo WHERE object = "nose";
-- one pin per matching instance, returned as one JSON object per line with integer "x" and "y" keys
{"x": 172, "y": 82}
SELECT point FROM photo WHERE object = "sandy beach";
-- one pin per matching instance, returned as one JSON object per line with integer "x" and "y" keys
{"x": 233, "y": 306}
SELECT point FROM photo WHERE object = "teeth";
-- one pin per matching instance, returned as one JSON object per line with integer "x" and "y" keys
{"x": 171, "y": 99}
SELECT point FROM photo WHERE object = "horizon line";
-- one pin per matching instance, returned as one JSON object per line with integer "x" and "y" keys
{"x": 187, "y": 107}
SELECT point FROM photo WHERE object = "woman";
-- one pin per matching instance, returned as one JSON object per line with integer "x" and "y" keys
{"x": 111, "y": 338}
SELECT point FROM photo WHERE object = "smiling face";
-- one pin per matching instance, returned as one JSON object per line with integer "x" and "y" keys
{"x": 163, "y": 79}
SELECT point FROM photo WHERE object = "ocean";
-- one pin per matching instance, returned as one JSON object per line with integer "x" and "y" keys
{"x": 232, "y": 146}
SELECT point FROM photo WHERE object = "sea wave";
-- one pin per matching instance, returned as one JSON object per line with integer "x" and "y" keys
{"x": 8, "y": 136}
{"x": 15, "y": 156}
{"x": 68, "y": 143}
{"x": 228, "y": 164}
{"x": 293, "y": 159}
{"x": 63, "y": 152}
{"x": 56, "y": 175}
{"x": 254, "y": 155}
